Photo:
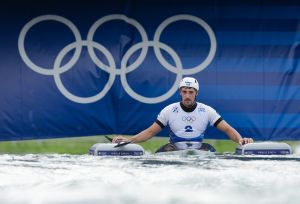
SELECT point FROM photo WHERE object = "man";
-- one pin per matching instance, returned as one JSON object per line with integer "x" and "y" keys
{"x": 187, "y": 121}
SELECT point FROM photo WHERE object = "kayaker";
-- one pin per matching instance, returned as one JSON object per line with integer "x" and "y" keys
{"x": 187, "y": 121}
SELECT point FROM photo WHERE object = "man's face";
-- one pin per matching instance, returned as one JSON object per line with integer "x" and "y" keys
{"x": 188, "y": 96}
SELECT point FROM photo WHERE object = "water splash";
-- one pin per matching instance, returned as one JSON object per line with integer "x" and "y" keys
{"x": 64, "y": 179}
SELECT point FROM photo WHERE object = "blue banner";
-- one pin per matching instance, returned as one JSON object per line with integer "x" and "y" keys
{"x": 108, "y": 67}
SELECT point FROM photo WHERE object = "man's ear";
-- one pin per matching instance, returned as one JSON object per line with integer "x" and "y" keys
{"x": 196, "y": 92}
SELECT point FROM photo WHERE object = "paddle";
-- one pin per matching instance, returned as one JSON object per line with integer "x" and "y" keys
{"x": 120, "y": 144}
{"x": 110, "y": 139}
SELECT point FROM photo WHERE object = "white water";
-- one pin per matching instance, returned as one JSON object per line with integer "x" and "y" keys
{"x": 73, "y": 179}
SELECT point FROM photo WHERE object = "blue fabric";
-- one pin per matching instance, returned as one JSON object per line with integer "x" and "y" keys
{"x": 174, "y": 138}
{"x": 252, "y": 79}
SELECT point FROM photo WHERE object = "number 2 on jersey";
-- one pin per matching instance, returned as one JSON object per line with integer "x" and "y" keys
{"x": 188, "y": 128}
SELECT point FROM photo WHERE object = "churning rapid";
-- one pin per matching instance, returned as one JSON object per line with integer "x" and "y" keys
{"x": 62, "y": 179}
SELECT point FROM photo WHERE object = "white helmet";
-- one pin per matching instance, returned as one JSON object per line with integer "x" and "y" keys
{"x": 189, "y": 82}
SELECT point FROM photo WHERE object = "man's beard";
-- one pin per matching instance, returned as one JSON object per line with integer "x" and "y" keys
{"x": 189, "y": 104}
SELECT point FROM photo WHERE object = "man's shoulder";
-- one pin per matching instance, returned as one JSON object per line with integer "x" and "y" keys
{"x": 203, "y": 107}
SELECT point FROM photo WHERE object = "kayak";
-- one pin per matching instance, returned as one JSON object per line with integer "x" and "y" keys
{"x": 186, "y": 152}
{"x": 111, "y": 149}
{"x": 131, "y": 149}
{"x": 264, "y": 148}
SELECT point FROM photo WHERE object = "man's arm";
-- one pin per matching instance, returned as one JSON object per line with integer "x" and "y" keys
{"x": 142, "y": 136}
{"x": 232, "y": 133}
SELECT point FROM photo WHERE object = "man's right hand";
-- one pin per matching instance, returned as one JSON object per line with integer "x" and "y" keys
{"x": 118, "y": 139}
{"x": 245, "y": 140}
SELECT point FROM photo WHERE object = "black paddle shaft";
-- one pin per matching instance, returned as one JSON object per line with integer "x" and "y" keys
{"x": 120, "y": 144}
{"x": 110, "y": 139}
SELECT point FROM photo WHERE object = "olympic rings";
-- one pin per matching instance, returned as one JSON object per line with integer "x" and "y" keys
{"x": 27, "y": 27}
{"x": 188, "y": 118}
{"x": 111, "y": 68}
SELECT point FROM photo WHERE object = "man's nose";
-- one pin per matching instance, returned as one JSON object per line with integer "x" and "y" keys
{"x": 189, "y": 95}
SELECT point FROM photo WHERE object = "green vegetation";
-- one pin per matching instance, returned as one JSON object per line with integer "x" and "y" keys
{"x": 74, "y": 145}
{"x": 80, "y": 145}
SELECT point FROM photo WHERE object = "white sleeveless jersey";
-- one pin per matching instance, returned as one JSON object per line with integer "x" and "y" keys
{"x": 187, "y": 126}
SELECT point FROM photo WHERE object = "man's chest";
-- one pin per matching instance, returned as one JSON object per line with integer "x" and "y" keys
{"x": 185, "y": 122}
